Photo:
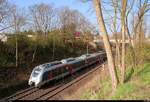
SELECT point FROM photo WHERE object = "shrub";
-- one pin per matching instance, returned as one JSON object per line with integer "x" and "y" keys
{"x": 139, "y": 56}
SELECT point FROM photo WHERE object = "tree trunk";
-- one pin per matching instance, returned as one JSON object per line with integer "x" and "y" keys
{"x": 87, "y": 48}
{"x": 33, "y": 56}
{"x": 36, "y": 47}
{"x": 115, "y": 5}
{"x": 131, "y": 44}
{"x": 111, "y": 64}
{"x": 53, "y": 57}
{"x": 124, "y": 3}
{"x": 16, "y": 51}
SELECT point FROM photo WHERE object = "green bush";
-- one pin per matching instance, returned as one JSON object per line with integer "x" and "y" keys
{"x": 65, "y": 46}
{"x": 139, "y": 55}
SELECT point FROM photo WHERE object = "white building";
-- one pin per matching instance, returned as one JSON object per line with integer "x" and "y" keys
{"x": 30, "y": 36}
{"x": 3, "y": 38}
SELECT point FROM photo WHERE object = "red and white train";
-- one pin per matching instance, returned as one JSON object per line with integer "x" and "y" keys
{"x": 58, "y": 69}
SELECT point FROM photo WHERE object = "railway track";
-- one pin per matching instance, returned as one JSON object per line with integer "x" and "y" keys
{"x": 20, "y": 92}
{"x": 33, "y": 93}
{"x": 57, "y": 91}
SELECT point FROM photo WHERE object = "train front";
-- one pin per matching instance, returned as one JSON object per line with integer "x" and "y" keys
{"x": 36, "y": 76}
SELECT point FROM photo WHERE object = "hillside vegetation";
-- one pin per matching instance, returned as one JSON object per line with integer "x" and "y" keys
{"x": 137, "y": 79}
{"x": 34, "y": 51}
{"x": 137, "y": 87}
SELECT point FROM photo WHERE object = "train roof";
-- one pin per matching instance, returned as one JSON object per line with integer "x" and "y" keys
{"x": 47, "y": 65}
{"x": 83, "y": 56}
{"x": 67, "y": 60}
{"x": 101, "y": 52}
{"x": 87, "y": 55}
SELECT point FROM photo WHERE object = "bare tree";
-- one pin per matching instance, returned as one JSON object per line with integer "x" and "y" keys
{"x": 42, "y": 17}
{"x": 129, "y": 9}
{"x": 142, "y": 10}
{"x": 3, "y": 10}
{"x": 115, "y": 6}
{"x": 67, "y": 17}
{"x": 73, "y": 20}
{"x": 4, "y": 14}
{"x": 18, "y": 20}
{"x": 123, "y": 15}
{"x": 111, "y": 64}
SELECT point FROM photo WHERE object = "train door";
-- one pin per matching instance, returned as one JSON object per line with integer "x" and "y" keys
{"x": 86, "y": 61}
{"x": 80, "y": 64}
{"x": 54, "y": 73}
{"x": 64, "y": 73}
{"x": 89, "y": 60}
{"x": 70, "y": 68}
{"x": 61, "y": 71}
{"x": 75, "y": 65}
{"x": 50, "y": 75}
{"x": 99, "y": 59}
{"x": 47, "y": 76}
{"x": 93, "y": 60}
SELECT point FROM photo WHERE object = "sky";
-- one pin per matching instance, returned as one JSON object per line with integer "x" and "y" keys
{"x": 86, "y": 8}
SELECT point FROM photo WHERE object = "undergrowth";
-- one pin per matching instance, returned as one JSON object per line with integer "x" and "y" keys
{"x": 136, "y": 86}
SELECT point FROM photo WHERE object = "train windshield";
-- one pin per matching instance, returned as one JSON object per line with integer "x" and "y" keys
{"x": 36, "y": 71}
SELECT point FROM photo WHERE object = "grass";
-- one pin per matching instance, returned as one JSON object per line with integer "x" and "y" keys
{"x": 88, "y": 95}
{"x": 123, "y": 90}
{"x": 136, "y": 87}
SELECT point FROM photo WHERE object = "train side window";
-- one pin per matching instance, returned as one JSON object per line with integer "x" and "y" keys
{"x": 54, "y": 72}
{"x": 59, "y": 71}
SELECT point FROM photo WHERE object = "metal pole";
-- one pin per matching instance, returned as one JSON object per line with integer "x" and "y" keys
{"x": 87, "y": 48}
{"x": 53, "y": 47}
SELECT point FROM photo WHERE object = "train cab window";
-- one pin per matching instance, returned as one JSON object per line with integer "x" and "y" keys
{"x": 48, "y": 65}
{"x": 36, "y": 71}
